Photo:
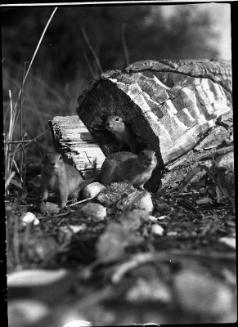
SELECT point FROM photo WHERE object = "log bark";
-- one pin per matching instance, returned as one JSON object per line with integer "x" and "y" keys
{"x": 169, "y": 105}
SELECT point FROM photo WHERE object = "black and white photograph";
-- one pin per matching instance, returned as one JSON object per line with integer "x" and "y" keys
{"x": 118, "y": 152}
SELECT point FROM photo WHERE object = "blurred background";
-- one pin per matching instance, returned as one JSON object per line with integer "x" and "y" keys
{"x": 119, "y": 35}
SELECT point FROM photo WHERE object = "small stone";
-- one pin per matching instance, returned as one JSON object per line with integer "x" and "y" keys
{"x": 92, "y": 190}
{"x": 94, "y": 210}
{"x": 29, "y": 218}
{"x": 157, "y": 230}
{"x": 145, "y": 203}
{"x": 229, "y": 241}
{"x": 198, "y": 293}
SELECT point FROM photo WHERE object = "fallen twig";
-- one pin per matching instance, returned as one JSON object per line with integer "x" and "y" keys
{"x": 170, "y": 256}
{"x": 78, "y": 202}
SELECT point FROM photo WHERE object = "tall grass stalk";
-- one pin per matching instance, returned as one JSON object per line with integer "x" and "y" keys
{"x": 14, "y": 114}
{"x": 35, "y": 53}
{"x": 93, "y": 52}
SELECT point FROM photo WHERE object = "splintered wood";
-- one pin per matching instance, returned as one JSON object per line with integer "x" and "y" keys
{"x": 73, "y": 139}
{"x": 169, "y": 105}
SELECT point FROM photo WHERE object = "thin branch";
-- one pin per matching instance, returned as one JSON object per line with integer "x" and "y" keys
{"x": 86, "y": 39}
{"x": 81, "y": 201}
{"x": 27, "y": 141}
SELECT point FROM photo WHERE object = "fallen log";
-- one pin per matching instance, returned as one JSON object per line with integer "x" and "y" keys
{"x": 170, "y": 106}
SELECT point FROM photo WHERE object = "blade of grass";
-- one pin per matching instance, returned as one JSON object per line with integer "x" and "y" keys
{"x": 35, "y": 52}
{"x": 14, "y": 114}
{"x": 86, "y": 39}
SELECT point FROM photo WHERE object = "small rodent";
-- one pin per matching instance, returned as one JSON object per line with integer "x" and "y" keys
{"x": 61, "y": 178}
{"x": 128, "y": 167}
{"x": 122, "y": 132}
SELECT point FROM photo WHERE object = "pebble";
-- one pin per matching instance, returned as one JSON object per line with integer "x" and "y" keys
{"x": 157, "y": 230}
{"x": 145, "y": 203}
{"x": 92, "y": 190}
{"x": 229, "y": 241}
{"x": 29, "y": 218}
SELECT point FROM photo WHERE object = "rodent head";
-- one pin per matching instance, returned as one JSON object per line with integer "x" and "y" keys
{"x": 53, "y": 161}
{"x": 148, "y": 158}
{"x": 114, "y": 123}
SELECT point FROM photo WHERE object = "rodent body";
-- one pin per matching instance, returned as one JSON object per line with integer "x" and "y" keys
{"x": 122, "y": 132}
{"x": 129, "y": 167}
{"x": 61, "y": 178}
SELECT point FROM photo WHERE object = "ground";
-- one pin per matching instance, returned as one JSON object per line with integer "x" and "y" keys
{"x": 174, "y": 265}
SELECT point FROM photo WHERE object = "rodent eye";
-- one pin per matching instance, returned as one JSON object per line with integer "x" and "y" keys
{"x": 60, "y": 157}
{"x": 117, "y": 119}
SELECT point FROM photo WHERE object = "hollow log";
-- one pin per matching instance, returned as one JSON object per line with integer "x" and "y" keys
{"x": 170, "y": 105}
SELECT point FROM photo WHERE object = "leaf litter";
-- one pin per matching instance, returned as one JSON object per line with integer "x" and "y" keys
{"x": 126, "y": 262}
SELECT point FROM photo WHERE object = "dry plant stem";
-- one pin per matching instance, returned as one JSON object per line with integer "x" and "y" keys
{"x": 78, "y": 202}
{"x": 125, "y": 49}
{"x": 8, "y": 148}
{"x": 28, "y": 141}
{"x": 85, "y": 36}
{"x": 89, "y": 65}
{"x": 42, "y": 83}
{"x": 13, "y": 109}
{"x": 35, "y": 52}
{"x": 8, "y": 181}
{"x": 21, "y": 126}
{"x": 19, "y": 142}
